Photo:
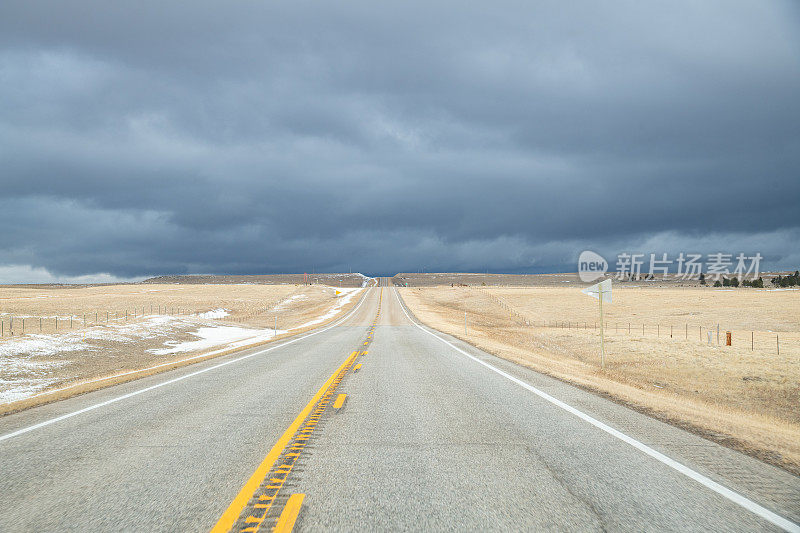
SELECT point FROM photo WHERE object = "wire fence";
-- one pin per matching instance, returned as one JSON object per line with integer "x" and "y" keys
{"x": 713, "y": 335}
{"x": 14, "y": 325}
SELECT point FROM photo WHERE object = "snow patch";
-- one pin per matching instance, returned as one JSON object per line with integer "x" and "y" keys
{"x": 288, "y": 301}
{"x": 344, "y": 298}
{"x": 21, "y": 377}
{"x": 216, "y": 313}
{"x": 215, "y": 336}
{"x": 12, "y": 390}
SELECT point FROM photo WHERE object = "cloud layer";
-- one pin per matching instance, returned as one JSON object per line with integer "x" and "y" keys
{"x": 255, "y": 137}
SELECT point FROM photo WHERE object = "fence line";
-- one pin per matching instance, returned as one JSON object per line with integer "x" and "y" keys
{"x": 518, "y": 317}
{"x": 12, "y": 326}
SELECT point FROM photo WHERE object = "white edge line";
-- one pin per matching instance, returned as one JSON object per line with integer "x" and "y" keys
{"x": 735, "y": 497}
{"x": 179, "y": 378}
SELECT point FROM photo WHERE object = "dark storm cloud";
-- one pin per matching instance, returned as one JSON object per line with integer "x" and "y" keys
{"x": 251, "y": 137}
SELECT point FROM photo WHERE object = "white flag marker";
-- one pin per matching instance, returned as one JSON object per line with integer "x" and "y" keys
{"x": 595, "y": 290}
{"x": 601, "y": 291}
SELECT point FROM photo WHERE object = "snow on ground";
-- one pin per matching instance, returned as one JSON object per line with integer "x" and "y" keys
{"x": 288, "y": 301}
{"x": 12, "y": 390}
{"x": 22, "y": 377}
{"x": 218, "y": 335}
{"x": 80, "y": 340}
{"x": 346, "y": 296}
{"x": 216, "y": 313}
{"x": 365, "y": 279}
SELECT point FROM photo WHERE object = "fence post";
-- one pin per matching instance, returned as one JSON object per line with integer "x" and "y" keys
{"x": 40, "y": 324}
{"x": 752, "y": 340}
{"x": 777, "y": 344}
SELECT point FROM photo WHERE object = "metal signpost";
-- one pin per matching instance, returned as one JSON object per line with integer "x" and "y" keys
{"x": 601, "y": 291}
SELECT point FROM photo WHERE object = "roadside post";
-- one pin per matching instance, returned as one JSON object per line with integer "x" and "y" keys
{"x": 601, "y": 291}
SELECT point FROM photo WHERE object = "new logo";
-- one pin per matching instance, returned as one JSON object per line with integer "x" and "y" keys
{"x": 591, "y": 266}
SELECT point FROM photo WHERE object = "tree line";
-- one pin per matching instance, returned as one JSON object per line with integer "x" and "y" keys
{"x": 790, "y": 280}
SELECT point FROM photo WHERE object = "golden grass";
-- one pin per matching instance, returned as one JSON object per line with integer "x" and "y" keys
{"x": 749, "y": 399}
{"x": 251, "y": 305}
{"x": 109, "y": 362}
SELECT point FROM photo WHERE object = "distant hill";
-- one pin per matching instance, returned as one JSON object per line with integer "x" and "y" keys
{"x": 337, "y": 280}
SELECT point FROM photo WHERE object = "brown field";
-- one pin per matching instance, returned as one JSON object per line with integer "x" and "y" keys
{"x": 745, "y": 397}
{"x": 118, "y": 335}
{"x": 438, "y": 279}
{"x": 247, "y": 304}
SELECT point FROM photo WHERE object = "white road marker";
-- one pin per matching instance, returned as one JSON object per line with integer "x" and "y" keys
{"x": 735, "y": 497}
{"x": 174, "y": 380}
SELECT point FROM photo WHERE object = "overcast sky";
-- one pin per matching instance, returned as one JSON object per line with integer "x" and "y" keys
{"x": 145, "y": 138}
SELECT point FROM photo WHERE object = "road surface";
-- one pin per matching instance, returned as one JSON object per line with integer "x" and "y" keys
{"x": 427, "y": 433}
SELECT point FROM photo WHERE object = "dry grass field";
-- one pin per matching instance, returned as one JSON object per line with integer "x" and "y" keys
{"x": 248, "y": 304}
{"x": 746, "y": 397}
{"x": 76, "y": 335}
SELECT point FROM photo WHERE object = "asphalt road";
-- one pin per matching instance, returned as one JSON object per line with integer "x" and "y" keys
{"x": 432, "y": 435}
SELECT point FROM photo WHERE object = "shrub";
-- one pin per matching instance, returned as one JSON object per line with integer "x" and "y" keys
{"x": 717, "y": 284}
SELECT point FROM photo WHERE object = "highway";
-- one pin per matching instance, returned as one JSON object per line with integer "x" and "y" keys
{"x": 374, "y": 423}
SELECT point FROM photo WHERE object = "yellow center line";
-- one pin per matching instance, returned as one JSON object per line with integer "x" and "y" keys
{"x": 339, "y": 401}
{"x": 289, "y": 514}
{"x": 231, "y": 514}
{"x": 292, "y": 441}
